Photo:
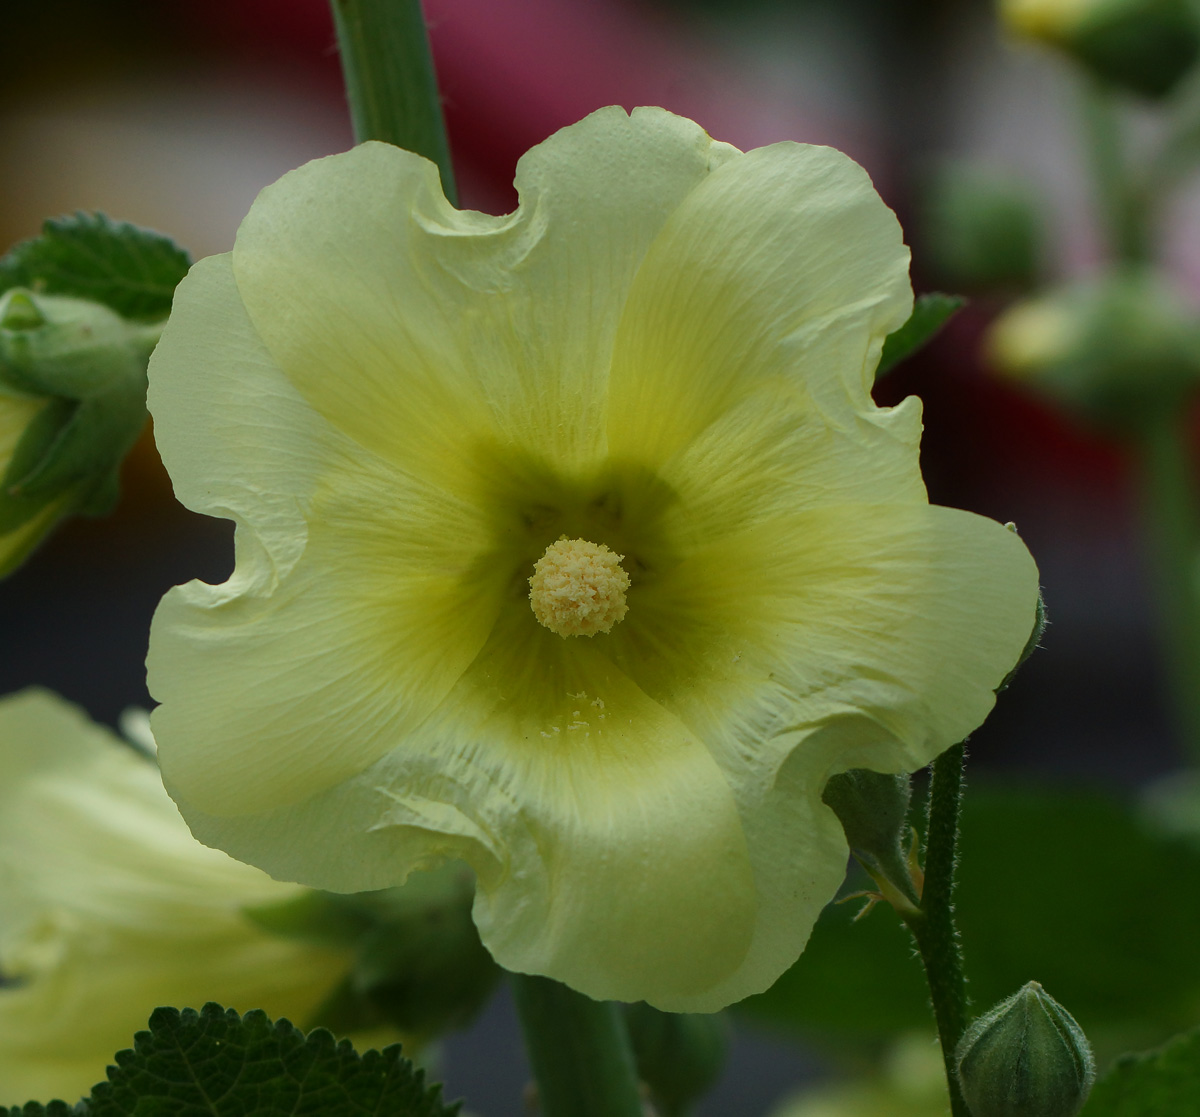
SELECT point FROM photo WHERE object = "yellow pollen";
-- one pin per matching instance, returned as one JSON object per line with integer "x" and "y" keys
{"x": 578, "y": 588}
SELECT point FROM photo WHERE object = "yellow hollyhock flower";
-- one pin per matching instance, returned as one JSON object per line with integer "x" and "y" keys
{"x": 110, "y": 908}
{"x": 570, "y": 543}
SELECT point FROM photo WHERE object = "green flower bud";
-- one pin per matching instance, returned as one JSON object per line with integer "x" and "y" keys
{"x": 982, "y": 233}
{"x": 679, "y": 1055}
{"x": 1026, "y": 1057}
{"x": 418, "y": 963}
{"x": 1113, "y": 351}
{"x": 873, "y": 810}
{"x": 72, "y": 402}
{"x": 1142, "y": 45}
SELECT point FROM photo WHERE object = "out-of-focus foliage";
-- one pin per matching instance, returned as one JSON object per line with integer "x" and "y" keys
{"x": 1161, "y": 1083}
{"x": 980, "y": 232}
{"x": 1112, "y": 351}
{"x": 930, "y": 313}
{"x": 1098, "y": 877}
{"x": 1145, "y": 46}
{"x": 911, "y": 1082}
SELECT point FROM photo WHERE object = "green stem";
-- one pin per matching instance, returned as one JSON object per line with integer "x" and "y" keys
{"x": 932, "y": 926}
{"x": 1180, "y": 149}
{"x": 1123, "y": 203}
{"x": 579, "y": 1050}
{"x": 1165, "y": 473}
{"x": 390, "y": 80}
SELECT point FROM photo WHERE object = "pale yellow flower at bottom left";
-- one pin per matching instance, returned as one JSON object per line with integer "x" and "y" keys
{"x": 109, "y": 908}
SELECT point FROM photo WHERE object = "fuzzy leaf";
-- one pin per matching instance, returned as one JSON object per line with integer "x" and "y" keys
{"x": 215, "y": 1063}
{"x": 131, "y": 270}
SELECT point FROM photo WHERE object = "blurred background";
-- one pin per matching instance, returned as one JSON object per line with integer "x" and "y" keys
{"x": 174, "y": 113}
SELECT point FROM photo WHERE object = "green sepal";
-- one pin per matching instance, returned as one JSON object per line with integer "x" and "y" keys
{"x": 1160, "y": 1083}
{"x": 215, "y": 1063}
{"x": 1033, "y": 643}
{"x": 131, "y": 270}
{"x": 418, "y": 962}
{"x": 88, "y": 367}
{"x": 679, "y": 1056}
{"x": 930, "y": 313}
{"x": 21, "y": 313}
{"x": 87, "y": 448}
{"x": 16, "y": 507}
{"x": 873, "y": 810}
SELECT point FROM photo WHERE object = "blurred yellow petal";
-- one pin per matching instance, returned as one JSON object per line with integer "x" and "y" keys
{"x": 110, "y": 908}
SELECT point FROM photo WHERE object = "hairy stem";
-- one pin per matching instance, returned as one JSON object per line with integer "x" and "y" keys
{"x": 932, "y": 925}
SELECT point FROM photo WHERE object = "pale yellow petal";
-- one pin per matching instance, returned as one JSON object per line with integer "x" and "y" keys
{"x": 237, "y": 438}
{"x": 301, "y": 688}
{"x": 352, "y": 580}
{"x": 423, "y": 331}
{"x": 784, "y": 264}
{"x": 606, "y": 842}
{"x": 876, "y": 641}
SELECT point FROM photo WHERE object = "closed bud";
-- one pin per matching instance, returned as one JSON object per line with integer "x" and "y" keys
{"x": 1113, "y": 351}
{"x": 1142, "y": 45}
{"x": 418, "y": 963}
{"x": 72, "y": 402}
{"x": 982, "y": 232}
{"x": 1026, "y": 1057}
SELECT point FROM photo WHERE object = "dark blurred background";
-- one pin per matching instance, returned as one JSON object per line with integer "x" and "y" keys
{"x": 174, "y": 113}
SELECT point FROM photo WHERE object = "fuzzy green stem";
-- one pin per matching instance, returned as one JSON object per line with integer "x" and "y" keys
{"x": 1165, "y": 473}
{"x": 1123, "y": 202}
{"x": 932, "y": 925}
{"x": 390, "y": 80}
{"x": 579, "y": 1050}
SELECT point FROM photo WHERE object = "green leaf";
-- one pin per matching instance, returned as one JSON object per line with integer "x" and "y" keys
{"x": 930, "y": 313}
{"x": 1162, "y": 1083}
{"x": 54, "y": 1109}
{"x": 1071, "y": 890}
{"x": 131, "y": 270}
{"x": 214, "y": 1063}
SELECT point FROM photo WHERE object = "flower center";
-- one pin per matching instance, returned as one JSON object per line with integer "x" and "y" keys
{"x": 578, "y": 588}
